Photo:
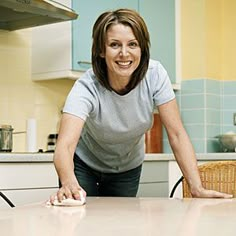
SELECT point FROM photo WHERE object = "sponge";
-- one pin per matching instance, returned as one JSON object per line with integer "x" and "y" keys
{"x": 69, "y": 201}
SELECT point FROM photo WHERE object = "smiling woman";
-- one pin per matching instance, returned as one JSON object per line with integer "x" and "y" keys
{"x": 101, "y": 143}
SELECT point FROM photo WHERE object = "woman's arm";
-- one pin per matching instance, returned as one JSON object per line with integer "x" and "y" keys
{"x": 69, "y": 134}
{"x": 183, "y": 150}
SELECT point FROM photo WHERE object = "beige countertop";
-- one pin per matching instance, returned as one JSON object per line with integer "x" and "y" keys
{"x": 25, "y": 157}
{"x": 48, "y": 157}
{"x": 124, "y": 216}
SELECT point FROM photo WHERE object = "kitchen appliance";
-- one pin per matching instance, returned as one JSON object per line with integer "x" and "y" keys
{"x": 228, "y": 141}
{"x": 51, "y": 145}
{"x": 20, "y": 14}
{"x": 6, "y": 138}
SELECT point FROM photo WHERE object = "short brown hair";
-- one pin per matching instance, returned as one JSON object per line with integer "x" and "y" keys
{"x": 129, "y": 18}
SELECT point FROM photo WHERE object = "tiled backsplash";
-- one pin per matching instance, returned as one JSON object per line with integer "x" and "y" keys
{"x": 207, "y": 107}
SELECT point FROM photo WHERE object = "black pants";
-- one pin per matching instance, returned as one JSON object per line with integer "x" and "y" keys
{"x": 95, "y": 183}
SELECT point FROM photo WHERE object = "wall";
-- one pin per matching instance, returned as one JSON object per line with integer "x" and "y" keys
{"x": 208, "y": 56}
{"x": 229, "y": 39}
{"x": 21, "y": 98}
{"x": 209, "y": 78}
{"x": 208, "y": 39}
{"x": 201, "y": 39}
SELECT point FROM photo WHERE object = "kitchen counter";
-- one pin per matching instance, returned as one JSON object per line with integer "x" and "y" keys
{"x": 48, "y": 157}
{"x": 31, "y": 177}
{"x": 25, "y": 157}
{"x": 124, "y": 216}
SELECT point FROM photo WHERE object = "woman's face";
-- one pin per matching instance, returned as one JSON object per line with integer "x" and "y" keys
{"x": 122, "y": 52}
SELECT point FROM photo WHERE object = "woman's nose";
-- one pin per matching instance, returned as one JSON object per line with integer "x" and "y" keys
{"x": 124, "y": 51}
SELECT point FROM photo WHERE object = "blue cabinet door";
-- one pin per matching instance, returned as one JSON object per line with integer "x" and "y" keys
{"x": 88, "y": 12}
{"x": 159, "y": 16}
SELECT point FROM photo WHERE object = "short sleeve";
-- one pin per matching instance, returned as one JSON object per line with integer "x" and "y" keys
{"x": 80, "y": 100}
{"x": 160, "y": 84}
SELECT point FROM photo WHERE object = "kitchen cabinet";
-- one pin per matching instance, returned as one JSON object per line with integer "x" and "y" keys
{"x": 52, "y": 50}
{"x": 154, "y": 179}
{"x": 160, "y": 16}
{"x": 27, "y": 182}
{"x": 66, "y": 51}
{"x": 27, "y": 178}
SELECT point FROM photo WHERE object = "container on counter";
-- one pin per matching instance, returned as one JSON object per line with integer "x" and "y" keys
{"x": 51, "y": 145}
{"x": 31, "y": 135}
{"x": 153, "y": 137}
{"x": 6, "y": 142}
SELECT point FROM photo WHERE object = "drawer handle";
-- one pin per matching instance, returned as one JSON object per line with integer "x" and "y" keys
{"x": 84, "y": 62}
{"x": 7, "y": 199}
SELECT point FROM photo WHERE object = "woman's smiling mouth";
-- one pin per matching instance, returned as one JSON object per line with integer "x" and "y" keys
{"x": 124, "y": 63}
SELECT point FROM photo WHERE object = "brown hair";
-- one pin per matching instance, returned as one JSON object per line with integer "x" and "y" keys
{"x": 129, "y": 18}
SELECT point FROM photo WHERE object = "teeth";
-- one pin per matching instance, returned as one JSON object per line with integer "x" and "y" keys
{"x": 123, "y": 63}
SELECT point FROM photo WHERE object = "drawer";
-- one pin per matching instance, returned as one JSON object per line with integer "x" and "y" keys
{"x": 27, "y": 175}
{"x": 153, "y": 190}
{"x": 154, "y": 171}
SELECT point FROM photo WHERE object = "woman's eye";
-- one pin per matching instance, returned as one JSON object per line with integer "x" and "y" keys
{"x": 114, "y": 45}
{"x": 133, "y": 44}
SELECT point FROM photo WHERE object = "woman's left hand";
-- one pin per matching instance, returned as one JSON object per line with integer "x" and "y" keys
{"x": 205, "y": 193}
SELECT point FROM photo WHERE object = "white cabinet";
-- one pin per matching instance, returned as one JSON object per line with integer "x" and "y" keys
{"x": 25, "y": 183}
{"x": 52, "y": 50}
{"x": 174, "y": 175}
{"x": 154, "y": 179}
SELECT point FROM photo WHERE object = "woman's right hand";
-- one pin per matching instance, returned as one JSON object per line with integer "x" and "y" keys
{"x": 71, "y": 190}
{"x": 68, "y": 137}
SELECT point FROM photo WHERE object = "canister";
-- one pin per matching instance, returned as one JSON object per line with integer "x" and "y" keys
{"x": 6, "y": 138}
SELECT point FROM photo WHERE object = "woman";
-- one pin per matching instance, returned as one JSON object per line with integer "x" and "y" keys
{"x": 100, "y": 147}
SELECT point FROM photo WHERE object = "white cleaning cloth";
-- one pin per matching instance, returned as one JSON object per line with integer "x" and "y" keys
{"x": 69, "y": 201}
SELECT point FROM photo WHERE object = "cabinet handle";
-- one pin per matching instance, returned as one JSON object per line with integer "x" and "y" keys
{"x": 84, "y": 62}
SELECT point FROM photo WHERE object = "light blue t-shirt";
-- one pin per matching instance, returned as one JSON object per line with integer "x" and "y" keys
{"x": 113, "y": 139}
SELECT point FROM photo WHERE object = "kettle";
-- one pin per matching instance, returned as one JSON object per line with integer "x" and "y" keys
{"x": 6, "y": 138}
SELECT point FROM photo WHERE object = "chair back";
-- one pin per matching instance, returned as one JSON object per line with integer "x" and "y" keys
{"x": 216, "y": 175}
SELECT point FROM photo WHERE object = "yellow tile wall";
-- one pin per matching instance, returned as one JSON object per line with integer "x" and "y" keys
{"x": 21, "y": 98}
{"x": 229, "y": 39}
{"x": 193, "y": 38}
{"x": 208, "y": 36}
